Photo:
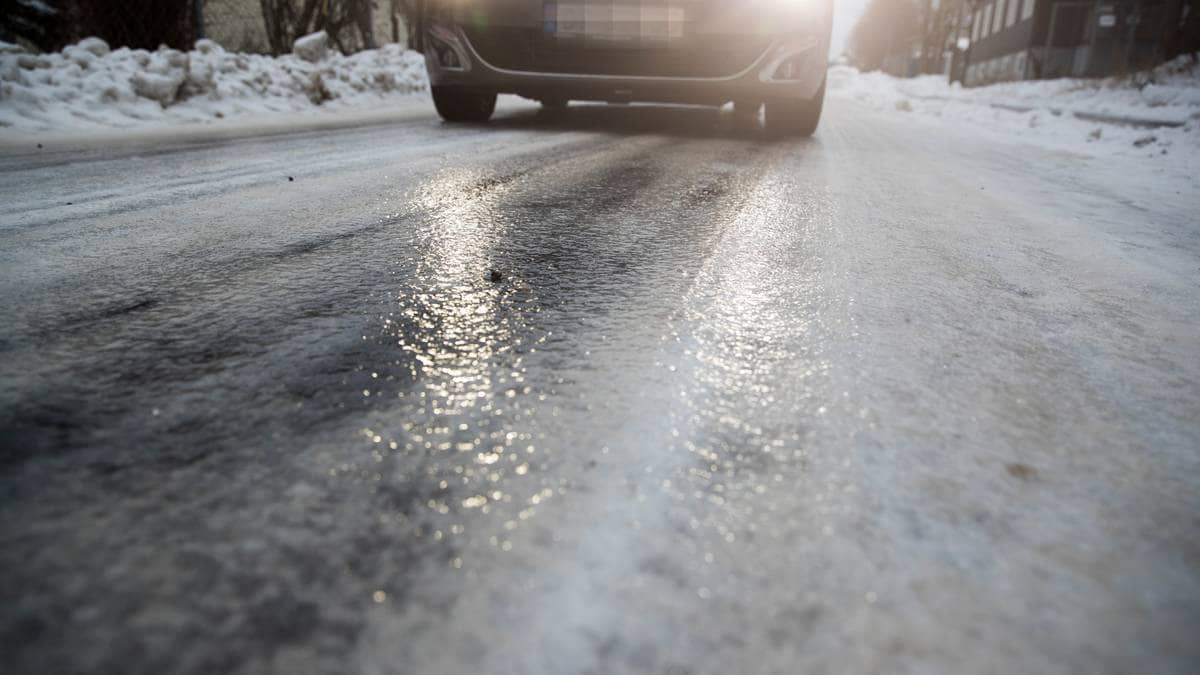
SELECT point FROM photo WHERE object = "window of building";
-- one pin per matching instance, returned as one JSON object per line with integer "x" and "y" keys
{"x": 975, "y": 24}
{"x": 1027, "y": 10}
{"x": 1013, "y": 6}
{"x": 998, "y": 17}
{"x": 987, "y": 21}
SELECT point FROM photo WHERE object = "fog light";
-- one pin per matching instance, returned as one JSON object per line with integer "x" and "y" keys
{"x": 447, "y": 57}
{"x": 792, "y": 61}
{"x": 788, "y": 70}
{"x": 447, "y": 49}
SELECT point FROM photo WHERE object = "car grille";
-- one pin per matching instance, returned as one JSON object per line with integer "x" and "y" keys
{"x": 533, "y": 51}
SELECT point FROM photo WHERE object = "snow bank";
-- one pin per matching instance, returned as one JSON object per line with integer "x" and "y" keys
{"x": 89, "y": 85}
{"x": 1103, "y": 115}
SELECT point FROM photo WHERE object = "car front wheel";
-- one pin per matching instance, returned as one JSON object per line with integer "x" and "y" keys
{"x": 789, "y": 117}
{"x": 463, "y": 105}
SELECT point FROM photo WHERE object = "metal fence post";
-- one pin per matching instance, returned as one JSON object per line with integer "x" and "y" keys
{"x": 198, "y": 20}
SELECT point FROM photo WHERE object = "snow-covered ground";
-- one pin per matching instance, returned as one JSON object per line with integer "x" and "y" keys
{"x": 1150, "y": 115}
{"x": 88, "y": 85}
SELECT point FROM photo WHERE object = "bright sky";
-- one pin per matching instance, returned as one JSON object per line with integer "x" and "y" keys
{"x": 845, "y": 13}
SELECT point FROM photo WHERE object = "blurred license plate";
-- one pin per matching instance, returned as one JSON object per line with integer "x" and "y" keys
{"x": 632, "y": 22}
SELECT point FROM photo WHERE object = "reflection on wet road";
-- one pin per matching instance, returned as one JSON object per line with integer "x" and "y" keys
{"x": 623, "y": 390}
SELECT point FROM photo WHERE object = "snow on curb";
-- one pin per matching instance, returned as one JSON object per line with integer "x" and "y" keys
{"x": 89, "y": 85}
{"x": 1154, "y": 113}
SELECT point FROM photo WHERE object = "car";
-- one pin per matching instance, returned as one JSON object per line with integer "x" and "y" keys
{"x": 709, "y": 52}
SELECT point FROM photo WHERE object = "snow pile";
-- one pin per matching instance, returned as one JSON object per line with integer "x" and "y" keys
{"x": 90, "y": 85}
{"x": 1117, "y": 114}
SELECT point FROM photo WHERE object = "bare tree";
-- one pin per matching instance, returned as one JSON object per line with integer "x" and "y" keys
{"x": 348, "y": 22}
{"x": 144, "y": 24}
{"x": 887, "y": 28}
{"x": 893, "y": 32}
{"x": 938, "y": 30}
{"x": 36, "y": 23}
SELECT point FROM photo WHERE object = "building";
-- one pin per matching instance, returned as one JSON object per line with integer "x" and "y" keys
{"x": 1031, "y": 39}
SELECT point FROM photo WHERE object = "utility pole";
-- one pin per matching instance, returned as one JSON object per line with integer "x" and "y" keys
{"x": 958, "y": 62}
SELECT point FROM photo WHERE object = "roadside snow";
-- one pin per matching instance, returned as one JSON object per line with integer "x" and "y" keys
{"x": 1096, "y": 117}
{"x": 88, "y": 85}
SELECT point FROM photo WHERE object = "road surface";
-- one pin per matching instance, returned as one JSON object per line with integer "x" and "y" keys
{"x": 630, "y": 390}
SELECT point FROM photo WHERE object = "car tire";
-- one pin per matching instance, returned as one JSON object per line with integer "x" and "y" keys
{"x": 789, "y": 117}
{"x": 463, "y": 105}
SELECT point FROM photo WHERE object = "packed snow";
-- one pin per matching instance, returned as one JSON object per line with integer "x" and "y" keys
{"x": 90, "y": 85}
{"x": 1150, "y": 114}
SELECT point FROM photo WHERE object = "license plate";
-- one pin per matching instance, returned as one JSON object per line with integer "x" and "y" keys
{"x": 623, "y": 22}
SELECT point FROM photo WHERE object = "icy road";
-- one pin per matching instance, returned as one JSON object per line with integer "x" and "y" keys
{"x": 631, "y": 391}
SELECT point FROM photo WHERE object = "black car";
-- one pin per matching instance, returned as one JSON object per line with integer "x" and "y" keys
{"x": 750, "y": 52}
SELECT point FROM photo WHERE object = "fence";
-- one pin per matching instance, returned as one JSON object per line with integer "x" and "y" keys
{"x": 270, "y": 26}
{"x": 261, "y": 26}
